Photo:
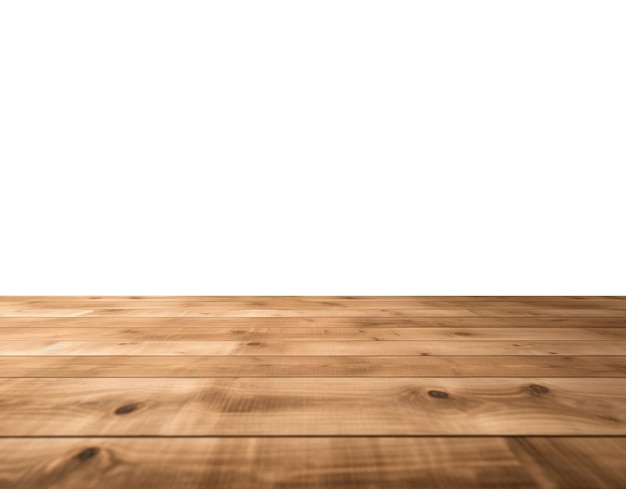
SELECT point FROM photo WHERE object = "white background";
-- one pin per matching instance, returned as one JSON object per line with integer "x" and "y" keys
{"x": 312, "y": 147}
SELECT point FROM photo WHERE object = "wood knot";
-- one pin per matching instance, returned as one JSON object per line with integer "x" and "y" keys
{"x": 254, "y": 343}
{"x": 128, "y": 408}
{"x": 438, "y": 394}
{"x": 537, "y": 390}
{"x": 462, "y": 333}
{"x": 87, "y": 453}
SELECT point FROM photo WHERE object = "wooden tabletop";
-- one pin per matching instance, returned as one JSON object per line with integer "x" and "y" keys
{"x": 312, "y": 392}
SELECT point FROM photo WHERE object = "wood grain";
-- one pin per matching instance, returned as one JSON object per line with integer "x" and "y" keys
{"x": 389, "y": 312}
{"x": 306, "y": 334}
{"x": 313, "y": 322}
{"x": 318, "y": 305}
{"x": 294, "y": 307}
{"x": 312, "y": 406}
{"x": 342, "y": 348}
{"x": 312, "y": 392}
{"x": 313, "y": 463}
{"x": 317, "y": 366}
{"x": 348, "y": 300}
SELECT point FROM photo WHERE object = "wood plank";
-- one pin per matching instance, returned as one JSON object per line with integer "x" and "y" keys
{"x": 318, "y": 305}
{"x": 312, "y": 406}
{"x": 326, "y": 348}
{"x": 367, "y": 313}
{"x": 313, "y": 322}
{"x": 320, "y": 366}
{"x": 303, "y": 309}
{"x": 573, "y": 462}
{"x": 308, "y": 334}
{"x": 312, "y": 298}
{"x": 163, "y": 310}
{"x": 313, "y": 463}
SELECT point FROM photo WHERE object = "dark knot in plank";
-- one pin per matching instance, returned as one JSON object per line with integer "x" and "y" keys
{"x": 537, "y": 390}
{"x": 254, "y": 343}
{"x": 87, "y": 453}
{"x": 438, "y": 394}
{"x": 128, "y": 408}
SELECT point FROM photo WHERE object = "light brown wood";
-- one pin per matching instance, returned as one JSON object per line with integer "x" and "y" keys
{"x": 313, "y": 406}
{"x": 306, "y": 334}
{"x": 276, "y": 463}
{"x": 264, "y": 388}
{"x": 296, "y": 307}
{"x": 314, "y": 366}
{"x": 318, "y": 323}
{"x": 499, "y": 311}
{"x": 312, "y": 298}
{"x": 310, "y": 305}
{"x": 342, "y": 348}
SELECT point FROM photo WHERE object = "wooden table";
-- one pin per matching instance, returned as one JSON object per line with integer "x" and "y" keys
{"x": 312, "y": 392}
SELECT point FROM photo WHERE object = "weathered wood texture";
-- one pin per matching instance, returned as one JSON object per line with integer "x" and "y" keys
{"x": 313, "y": 366}
{"x": 318, "y": 323}
{"x": 198, "y": 333}
{"x": 313, "y": 406}
{"x": 480, "y": 310}
{"x": 287, "y": 307}
{"x": 285, "y": 463}
{"x": 308, "y": 348}
{"x": 485, "y": 392}
{"x": 286, "y": 300}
